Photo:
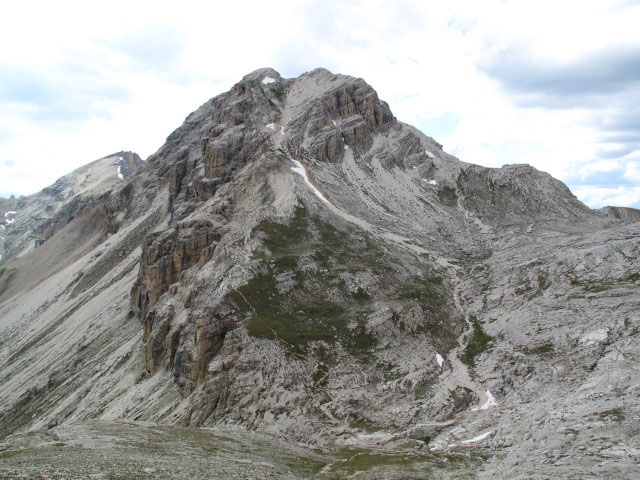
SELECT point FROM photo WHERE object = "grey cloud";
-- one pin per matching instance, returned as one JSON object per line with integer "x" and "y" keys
{"x": 606, "y": 82}
{"x": 620, "y": 138}
{"x": 604, "y": 72}
{"x": 620, "y": 152}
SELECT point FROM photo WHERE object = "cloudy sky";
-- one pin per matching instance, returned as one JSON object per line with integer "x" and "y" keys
{"x": 555, "y": 84}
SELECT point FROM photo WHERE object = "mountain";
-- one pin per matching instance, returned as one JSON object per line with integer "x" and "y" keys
{"x": 72, "y": 213}
{"x": 296, "y": 261}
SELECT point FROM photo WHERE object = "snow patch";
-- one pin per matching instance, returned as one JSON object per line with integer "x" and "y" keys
{"x": 299, "y": 168}
{"x": 346, "y": 147}
{"x": 282, "y": 130}
{"x": 267, "y": 80}
{"x": 120, "y": 175}
{"x": 431, "y": 182}
{"x": 429, "y": 154}
{"x": 9, "y": 213}
{"x": 478, "y": 438}
{"x": 439, "y": 359}
{"x": 334, "y": 123}
{"x": 491, "y": 402}
{"x": 594, "y": 337}
{"x": 272, "y": 126}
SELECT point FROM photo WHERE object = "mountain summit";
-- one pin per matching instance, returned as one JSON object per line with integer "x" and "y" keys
{"x": 295, "y": 260}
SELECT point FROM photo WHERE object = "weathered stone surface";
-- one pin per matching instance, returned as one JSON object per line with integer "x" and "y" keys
{"x": 166, "y": 255}
{"x": 622, "y": 213}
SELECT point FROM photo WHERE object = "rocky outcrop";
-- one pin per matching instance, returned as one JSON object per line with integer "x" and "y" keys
{"x": 517, "y": 194}
{"x": 346, "y": 115}
{"x": 622, "y": 213}
{"x": 165, "y": 255}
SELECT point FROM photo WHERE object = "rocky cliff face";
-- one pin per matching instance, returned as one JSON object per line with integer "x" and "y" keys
{"x": 297, "y": 261}
{"x": 622, "y": 213}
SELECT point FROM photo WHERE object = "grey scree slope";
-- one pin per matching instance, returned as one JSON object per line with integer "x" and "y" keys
{"x": 325, "y": 293}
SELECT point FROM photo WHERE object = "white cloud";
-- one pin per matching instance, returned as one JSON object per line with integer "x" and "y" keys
{"x": 597, "y": 197}
{"x": 597, "y": 167}
{"x": 154, "y": 63}
{"x": 632, "y": 171}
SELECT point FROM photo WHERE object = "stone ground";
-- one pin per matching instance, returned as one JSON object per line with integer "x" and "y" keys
{"x": 127, "y": 450}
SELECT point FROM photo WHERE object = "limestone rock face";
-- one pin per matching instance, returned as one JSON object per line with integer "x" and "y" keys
{"x": 622, "y": 213}
{"x": 295, "y": 260}
{"x": 166, "y": 255}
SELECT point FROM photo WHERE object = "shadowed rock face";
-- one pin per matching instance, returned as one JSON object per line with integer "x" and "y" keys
{"x": 382, "y": 293}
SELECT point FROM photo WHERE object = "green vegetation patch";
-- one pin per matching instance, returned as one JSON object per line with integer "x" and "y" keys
{"x": 478, "y": 343}
{"x": 317, "y": 308}
{"x": 279, "y": 91}
{"x": 448, "y": 196}
{"x": 596, "y": 286}
{"x": 402, "y": 464}
{"x": 545, "y": 349}
{"x": 297, "y": 323}
{"x": 364, "y": 424}
{"x": 615, "y": 414}
{"x": 543, "y": 283}
{"x": 426, "y": 291}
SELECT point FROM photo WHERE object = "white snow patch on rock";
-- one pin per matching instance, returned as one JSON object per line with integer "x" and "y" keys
{"x": 430, "y": 182}
{"x": 9, "y": 213}
{"x": 595, "y": 337}
{"x": 120, "y": 175}
{"x": 478, "y": 438}
{"x": 429, "y": 154}
{"x": 334, "y": 123}
{"x": 491, "y": 402}
{"x": 282, "y": 130}
{"x": 439, "y": 359}
{"x": 268, "y": 80}
{"x": 346, "y": 147}
{"x": 301, "y": 170}
{"x": 272, "y": 126}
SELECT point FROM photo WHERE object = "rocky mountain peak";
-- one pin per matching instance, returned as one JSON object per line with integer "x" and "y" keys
{"x": 295, "y": 260}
